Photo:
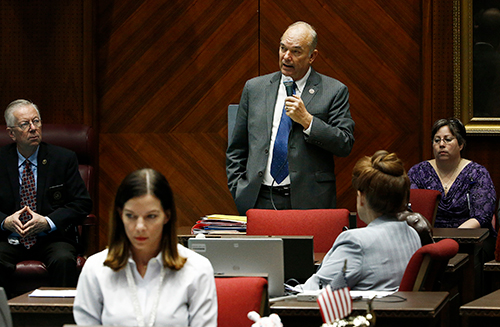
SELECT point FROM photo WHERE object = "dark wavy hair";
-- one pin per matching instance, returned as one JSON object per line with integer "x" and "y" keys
{"x": 456, "y": 127}
{"x": 136, "y": 184}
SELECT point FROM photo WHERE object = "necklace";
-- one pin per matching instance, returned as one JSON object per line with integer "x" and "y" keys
{"x": 135, "y": 297}
{"x": 448, "y": 181}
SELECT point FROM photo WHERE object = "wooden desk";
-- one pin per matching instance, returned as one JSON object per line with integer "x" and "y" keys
{"x": 470, "y": 241}
{"x": 38, "y": 311}
{"x": 491, "y": 271}
{"x": 454, "y": 283}
{"x": 483, "y": 312}
{"x": 419, "y": 309}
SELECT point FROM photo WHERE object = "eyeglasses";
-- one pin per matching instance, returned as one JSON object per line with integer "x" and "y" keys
{"x": 446, "y": 140}
{"x": 24, "y": 126}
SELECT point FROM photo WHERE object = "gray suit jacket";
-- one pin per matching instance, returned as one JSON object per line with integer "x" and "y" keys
{"x": 310, "y": 158}
{"x": 377, "y": 256}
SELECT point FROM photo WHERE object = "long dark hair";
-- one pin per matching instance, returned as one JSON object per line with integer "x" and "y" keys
{"x": 136, "y": 184}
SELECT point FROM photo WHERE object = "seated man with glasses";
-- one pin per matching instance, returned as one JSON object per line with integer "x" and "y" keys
{"x": 467, "y": 192}
{"x": 42, "y": 199}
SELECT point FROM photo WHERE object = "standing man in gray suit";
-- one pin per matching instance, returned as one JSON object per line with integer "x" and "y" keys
{"x": 280, "y": 155}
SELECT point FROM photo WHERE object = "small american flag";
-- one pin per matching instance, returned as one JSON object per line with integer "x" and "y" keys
{"x": 334, "y": 304}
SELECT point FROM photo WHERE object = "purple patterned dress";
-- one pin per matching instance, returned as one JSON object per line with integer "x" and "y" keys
{"x": 471, "y": 195}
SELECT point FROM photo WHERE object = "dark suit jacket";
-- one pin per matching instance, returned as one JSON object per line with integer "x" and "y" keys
{"x": 61, "y": 192}
{"x": 310, "y": 158}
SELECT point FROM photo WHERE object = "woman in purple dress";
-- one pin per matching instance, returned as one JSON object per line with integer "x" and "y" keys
{"x": 467, "y": 192}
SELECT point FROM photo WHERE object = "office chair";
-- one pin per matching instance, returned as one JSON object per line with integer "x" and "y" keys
{"x": 426, "y": 267}
{"x": 81, "y": 139}
{"x": 237, "y": 296}
{"x": 323, "y": 224}
{"x": 422, "y": 201}
{"x": 232, "y": 110}
{"x": 425, "y": 202}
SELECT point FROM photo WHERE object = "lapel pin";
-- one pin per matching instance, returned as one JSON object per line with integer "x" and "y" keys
{"x": 44, "y": 161}
{"x": 311, "y": 91}
{"x": 57, "y": 195}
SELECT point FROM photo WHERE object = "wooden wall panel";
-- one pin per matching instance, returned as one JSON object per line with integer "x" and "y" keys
{"x": 46, "y": 56}
{"x": 374, "y": 48}
{"x": 167, "y": 70}
{"x": 482, "y": 149}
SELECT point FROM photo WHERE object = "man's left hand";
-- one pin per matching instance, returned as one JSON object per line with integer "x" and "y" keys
{"x": 296, "y": 110}
{"x": 36, "y": 224}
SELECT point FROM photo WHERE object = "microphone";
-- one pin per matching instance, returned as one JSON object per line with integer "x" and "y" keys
{"x": 288, "y": 81}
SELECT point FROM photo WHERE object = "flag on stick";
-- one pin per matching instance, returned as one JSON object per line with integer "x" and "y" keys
{"x": 335, "y": 304}
{"x": 335, "y": 301}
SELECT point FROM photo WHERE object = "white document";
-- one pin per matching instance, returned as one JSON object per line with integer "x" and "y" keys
{"x": 354, "y": 294}
{"x": 53, "y": 293}
{"x": 370, "y": 294}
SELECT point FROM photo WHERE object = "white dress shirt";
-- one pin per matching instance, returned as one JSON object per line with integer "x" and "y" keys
{"x": 188, "y": 296}
{"x": 278, "y": 110}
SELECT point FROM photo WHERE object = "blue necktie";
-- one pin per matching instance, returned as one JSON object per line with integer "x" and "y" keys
{"x": 279, "y": 165}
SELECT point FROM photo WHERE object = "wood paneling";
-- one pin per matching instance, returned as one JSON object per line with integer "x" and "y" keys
{"x": 374, "y": 48}
{"x": 167, "y": 70}
{"x": 482, "y": 149}
{"x": 46, "y": 56}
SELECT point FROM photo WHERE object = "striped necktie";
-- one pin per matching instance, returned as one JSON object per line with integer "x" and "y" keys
{"x": 28, "y": 198}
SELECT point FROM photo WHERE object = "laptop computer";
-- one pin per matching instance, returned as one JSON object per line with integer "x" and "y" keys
{"x": 298, "y": 255}
{"x": 245, "y": 256}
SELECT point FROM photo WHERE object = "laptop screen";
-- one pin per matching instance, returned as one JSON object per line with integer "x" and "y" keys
{"x": 245, "y": 256}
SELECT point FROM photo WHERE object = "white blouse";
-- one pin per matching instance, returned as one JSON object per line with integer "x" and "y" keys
{"x": 188, "y": 296}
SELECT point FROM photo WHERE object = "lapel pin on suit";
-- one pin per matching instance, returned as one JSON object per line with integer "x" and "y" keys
{"x": 311, "y": 91}
{"x": 44, "y": 161}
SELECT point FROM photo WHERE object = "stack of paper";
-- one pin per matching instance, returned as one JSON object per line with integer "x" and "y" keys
{"x": 220, "y": 224}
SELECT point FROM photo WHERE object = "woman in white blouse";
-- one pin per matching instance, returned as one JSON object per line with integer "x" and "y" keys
{"x": 145, "y": 278}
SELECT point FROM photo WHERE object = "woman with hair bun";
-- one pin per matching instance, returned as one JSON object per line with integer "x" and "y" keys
{"x": 376, "y": 255}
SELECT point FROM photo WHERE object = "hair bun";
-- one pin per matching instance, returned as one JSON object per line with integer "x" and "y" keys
{"x": 388, "y": 163}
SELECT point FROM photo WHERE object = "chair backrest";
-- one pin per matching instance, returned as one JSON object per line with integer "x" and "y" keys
{"x": 82, "y": 140}
{"x": 425, "y": 202}
{"x": 323, "y": 224}
{"x": 422, "y": 201}
{"x": 237, "y": 296}
{"x": 426, "y": 267}
{"x": 495, "y": 219}
{"x": 232, "y": 110}
{"x": 78, "y": 138}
